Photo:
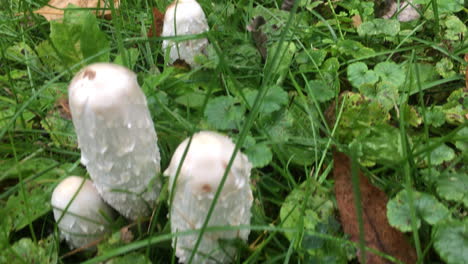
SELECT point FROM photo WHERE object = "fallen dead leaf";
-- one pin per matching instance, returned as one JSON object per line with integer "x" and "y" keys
{"x": 54, "y": 9}
{"x": 378, "y": 233}
{"x": 357, "y": 21}
{"x": 158, "y": 22}
{"x": 63, "y": 108}
{"x": 258, "y": 36}
{"x": 126, "y": 235}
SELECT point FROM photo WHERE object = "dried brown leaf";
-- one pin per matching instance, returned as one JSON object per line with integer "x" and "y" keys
{"x": 258, "y": 36}
{"x": 158, "y": 22}
{"x": 54, "y": 9}
{"x": 357, "y": 21}
{"x": 378, "y": 233}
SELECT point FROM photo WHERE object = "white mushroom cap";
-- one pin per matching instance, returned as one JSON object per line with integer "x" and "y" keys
{"x": 116, "y": 136}
{"x": 191, "y": 20}
{"x": 85, "y": 219}
{"x": 200, "y": 174}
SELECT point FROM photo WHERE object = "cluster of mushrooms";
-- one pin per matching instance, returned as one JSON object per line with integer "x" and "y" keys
{"x": 119, "y": 149}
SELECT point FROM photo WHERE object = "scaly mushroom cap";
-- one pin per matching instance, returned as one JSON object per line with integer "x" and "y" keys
{"x": 85, "y": 220}
{"x": 116, "y": 136}
{"x": 191, "y": 20}
{"x": 200, "y": 174}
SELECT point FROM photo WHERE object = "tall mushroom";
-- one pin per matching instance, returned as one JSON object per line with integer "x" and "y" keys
{"x": 80, "y": 213}
{"x": 184, "y": 17}
{"x": 116, "y": 136}
{"x": 198, "y": 180}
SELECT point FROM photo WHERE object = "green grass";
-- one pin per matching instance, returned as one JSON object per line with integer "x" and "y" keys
{"x": 399, "y": 108}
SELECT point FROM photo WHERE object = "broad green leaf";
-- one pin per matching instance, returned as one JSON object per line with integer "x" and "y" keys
{"x": 321, "y": 90}
{"x": 426, "y": 206}
{"x": 78, "y": 37}
{"x": 412, "y": 116}
{"x": 191, "y": 99}
{"x": 224, "y": 112}
{"x": 314, "y": 57}
{"x": 451, "y": 241}
{"x": 461, "y": 142}
{"x": 379, "y": 26}
{"x": 22, "y": 53}
{"x": 453, "y": 187}
{"x": 273, "y": 100}
{"x": 382, "y": 145}
{"x": 390, "y": 72}
{"x": 354, "y": 48}
{"x": 309, "y": 205}
{"x": 447, "y": 6}
{"x": 26, "y": 251}
{"x": 456, "y": 108}
{"x": 441, "y": 154}
{"x": 445, "y": 68}
{"x": 259, "y": 155}
{"x": 455, "y": 28}
{"x": 281, "y": 64}
{"x": 435, "y": 116}
{"x": 370, "y": 112}
{"x": 359, "y": 75}
{"x": 93, "y": 42}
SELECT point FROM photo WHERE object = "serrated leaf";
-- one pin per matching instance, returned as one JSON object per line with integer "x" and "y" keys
{"x": 451, "y": 241}
{"x": 426, "y": 207}
{"x": 453, "y": 187}
{"x": 78, "y": 37}
{"x": 359, "y": 75}
{"x": 223, "y": 112}
{"x": 93, "y": 42}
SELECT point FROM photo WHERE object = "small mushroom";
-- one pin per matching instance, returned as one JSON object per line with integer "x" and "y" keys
{"x": 198, "y": 180}
{"x": 189, "y": 20}
{"x": 116, "y": 136}
{"x": 80, "y": 213}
